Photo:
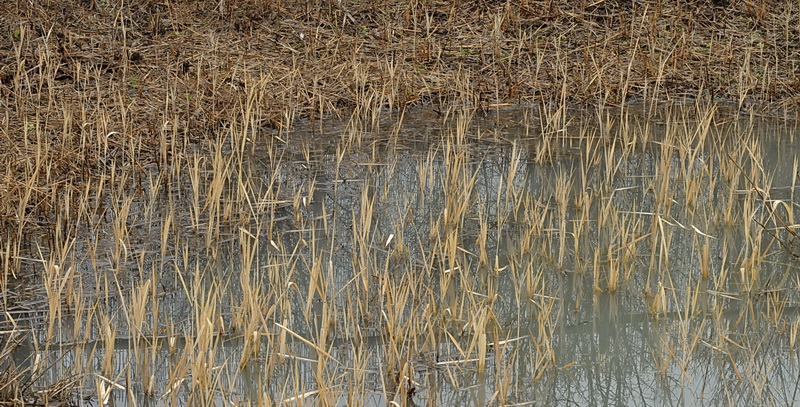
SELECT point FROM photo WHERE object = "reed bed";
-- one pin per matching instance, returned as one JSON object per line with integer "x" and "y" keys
{"x": 397, "y": 272}
{"x": 243, "y": 205}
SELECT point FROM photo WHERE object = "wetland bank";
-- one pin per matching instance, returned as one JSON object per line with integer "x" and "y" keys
{"x": 417, "y": 203}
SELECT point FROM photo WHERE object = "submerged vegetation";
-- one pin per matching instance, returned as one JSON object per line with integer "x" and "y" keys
{"x": 442, "y": 203}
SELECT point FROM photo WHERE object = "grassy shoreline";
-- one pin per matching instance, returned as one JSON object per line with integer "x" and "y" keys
{"x": 324, "y": 57}
{"x": 113, "y": 75}
{"x": 144, "y": 142}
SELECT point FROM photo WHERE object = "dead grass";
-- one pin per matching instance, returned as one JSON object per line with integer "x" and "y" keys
{"x": 142, "y": 83}
{"x": 158, "y": 204}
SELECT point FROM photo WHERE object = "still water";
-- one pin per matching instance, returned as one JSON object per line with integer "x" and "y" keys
{"x": 618, "y": 260}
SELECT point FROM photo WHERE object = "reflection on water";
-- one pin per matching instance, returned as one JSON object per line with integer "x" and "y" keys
{"x": 601, "y": 274}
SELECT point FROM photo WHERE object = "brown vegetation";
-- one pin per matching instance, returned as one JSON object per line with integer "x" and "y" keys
{"x": 150, "y": 160}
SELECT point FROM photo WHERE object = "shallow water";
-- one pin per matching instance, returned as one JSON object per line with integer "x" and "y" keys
{"x": 557, "y": 330}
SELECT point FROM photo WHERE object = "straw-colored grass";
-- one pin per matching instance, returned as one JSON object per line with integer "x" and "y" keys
{"x": 242, "y": 205}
